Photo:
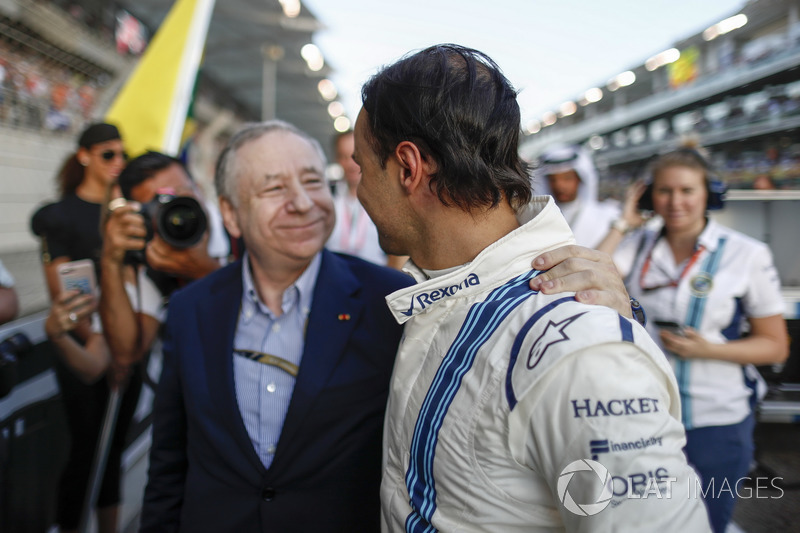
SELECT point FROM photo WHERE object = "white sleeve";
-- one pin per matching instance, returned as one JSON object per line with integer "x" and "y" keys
{"x": 611, "y": 408}
{"x": 146, "y": 298}
{"x": 763, "y": 297}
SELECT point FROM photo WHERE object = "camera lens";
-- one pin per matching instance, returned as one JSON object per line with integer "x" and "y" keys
{"x": 182, "y": 222}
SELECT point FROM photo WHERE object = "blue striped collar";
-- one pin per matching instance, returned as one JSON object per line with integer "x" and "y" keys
{"x": 543, "y": 228}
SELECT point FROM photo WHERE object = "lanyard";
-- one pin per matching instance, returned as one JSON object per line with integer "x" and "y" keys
{"x": 271, "y": 360}
{"x": 673, "y": 283}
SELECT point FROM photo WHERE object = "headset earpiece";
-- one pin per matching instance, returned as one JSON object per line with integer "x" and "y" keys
{"x": 646, "y": 199}
{"x": 716, "y": 193}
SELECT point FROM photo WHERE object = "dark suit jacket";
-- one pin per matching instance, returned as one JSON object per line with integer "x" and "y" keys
{"x": 205, "y": 475}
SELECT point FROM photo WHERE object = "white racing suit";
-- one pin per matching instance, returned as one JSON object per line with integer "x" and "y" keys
{"x": 513, "y": 411}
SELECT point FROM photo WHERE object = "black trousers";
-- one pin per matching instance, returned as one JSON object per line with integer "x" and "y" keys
{"x": 85, "y": 407}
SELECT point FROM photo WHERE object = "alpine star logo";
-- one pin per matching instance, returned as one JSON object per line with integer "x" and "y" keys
{"x": 425, "y": 299}
{"x": 553, "y": 333}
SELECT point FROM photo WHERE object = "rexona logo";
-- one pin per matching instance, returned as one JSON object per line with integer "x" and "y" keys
{"x": 586, "y": 471}
{"x": 425, "y": 299}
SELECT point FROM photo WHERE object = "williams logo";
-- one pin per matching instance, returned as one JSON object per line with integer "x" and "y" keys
{"x": 701, "y": 285}
{"x": 424, "y": 299}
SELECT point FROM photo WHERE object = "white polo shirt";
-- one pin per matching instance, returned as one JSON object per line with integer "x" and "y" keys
{"x": 732, "y": 278}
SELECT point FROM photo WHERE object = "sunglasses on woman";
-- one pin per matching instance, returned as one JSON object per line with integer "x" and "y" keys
{"x": 108, "y": 155}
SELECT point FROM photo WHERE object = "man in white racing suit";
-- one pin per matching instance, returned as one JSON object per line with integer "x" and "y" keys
{"x": 509, "y": 410}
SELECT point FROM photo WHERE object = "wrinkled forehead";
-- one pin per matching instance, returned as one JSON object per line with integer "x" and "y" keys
{"x": 277, "y": 152}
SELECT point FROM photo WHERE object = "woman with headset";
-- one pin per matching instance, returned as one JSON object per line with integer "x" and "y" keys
{"x": 703, "y": 285}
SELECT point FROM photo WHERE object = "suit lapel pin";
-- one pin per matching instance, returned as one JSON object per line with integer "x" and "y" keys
{"x": 344, "y": 317}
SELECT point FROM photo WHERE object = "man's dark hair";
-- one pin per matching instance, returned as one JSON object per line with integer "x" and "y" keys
{"x": 143, "y": 168}
{"x": 455, "y": 104}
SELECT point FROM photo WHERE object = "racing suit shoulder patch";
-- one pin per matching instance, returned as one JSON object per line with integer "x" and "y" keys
{"x": 560, "y": 327}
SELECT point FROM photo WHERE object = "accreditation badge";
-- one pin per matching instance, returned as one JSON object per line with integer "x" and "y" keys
{"x": 700, "y": 285}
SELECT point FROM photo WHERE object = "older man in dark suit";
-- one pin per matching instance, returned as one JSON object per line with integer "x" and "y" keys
{"x": 270, "y": 405}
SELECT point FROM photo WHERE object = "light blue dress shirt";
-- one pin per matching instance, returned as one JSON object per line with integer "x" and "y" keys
{"x": 263, "y": 391}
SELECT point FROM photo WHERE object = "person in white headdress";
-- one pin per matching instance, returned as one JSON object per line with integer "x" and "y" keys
{"x": 568, "y": 174}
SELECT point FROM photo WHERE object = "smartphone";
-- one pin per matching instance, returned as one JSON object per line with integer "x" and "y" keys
{"x": 77, "y": 275}
{"x": 672, "y": 327}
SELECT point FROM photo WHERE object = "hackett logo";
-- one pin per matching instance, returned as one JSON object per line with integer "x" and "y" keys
{"x": 425, "y": 299}
{"x": 588, "y": 408}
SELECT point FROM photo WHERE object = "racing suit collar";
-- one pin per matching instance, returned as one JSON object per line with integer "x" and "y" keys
{"x": 543, "y": 228}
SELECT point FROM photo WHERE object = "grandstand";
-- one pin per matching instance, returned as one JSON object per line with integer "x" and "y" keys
{"x": 733, "y": 88}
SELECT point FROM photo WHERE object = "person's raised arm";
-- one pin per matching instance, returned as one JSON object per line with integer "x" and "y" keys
{"x": 591, "y": 274}
{"x": 631, "y": 218}
{"x": 129, "y": 334}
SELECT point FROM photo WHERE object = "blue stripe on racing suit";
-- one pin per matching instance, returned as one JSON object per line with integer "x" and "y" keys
{"x": 626, "y": 328}
{"x": 481, "y": 322}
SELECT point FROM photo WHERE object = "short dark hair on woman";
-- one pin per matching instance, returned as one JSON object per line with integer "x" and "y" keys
{"x": 455, "y": 104}
{"x": 143, "y": 168}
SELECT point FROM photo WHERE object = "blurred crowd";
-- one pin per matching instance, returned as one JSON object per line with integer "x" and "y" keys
{"x": 41, "y": 94}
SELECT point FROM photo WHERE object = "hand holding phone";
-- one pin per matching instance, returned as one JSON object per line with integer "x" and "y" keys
{"x": 77, "y": 275}
{"x": 672, "y": 327}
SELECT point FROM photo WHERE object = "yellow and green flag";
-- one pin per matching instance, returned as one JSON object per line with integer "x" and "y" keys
{"x": 151, "y": 108}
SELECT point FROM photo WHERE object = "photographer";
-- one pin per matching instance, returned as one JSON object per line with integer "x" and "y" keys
{"x": 139, "y": 272}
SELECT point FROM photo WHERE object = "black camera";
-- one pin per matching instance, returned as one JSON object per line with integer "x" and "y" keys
{"x": 179, "y": 220}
